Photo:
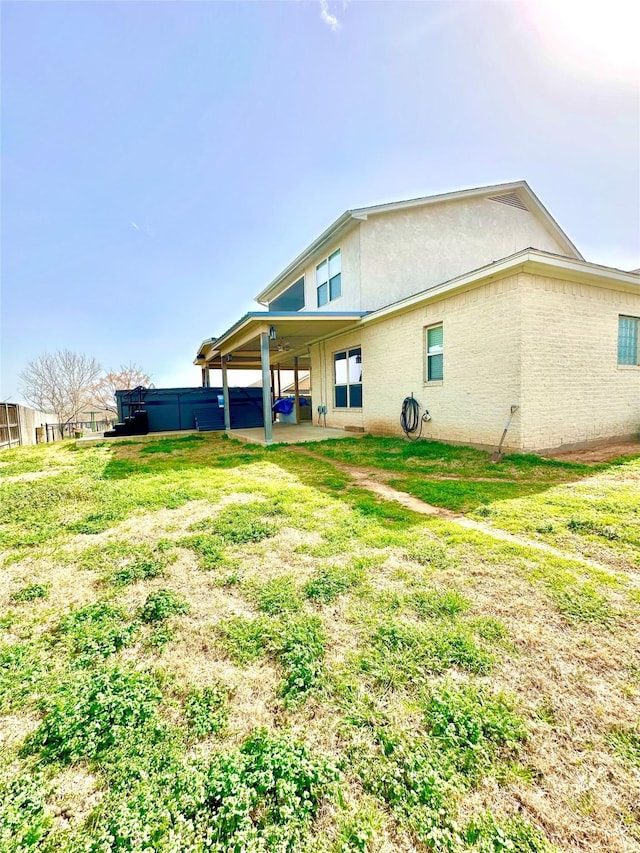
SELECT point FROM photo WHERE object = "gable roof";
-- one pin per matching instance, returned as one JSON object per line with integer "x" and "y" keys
{"x": 516, "y": 194}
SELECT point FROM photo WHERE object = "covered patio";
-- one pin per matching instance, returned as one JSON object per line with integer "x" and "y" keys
{"x": 270, "y": 342}
{"x": 290, "y": 434}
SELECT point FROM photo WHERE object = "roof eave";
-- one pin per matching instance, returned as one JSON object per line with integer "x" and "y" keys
{"x": 329, "y": 233}
{"x": 532, "y": 260}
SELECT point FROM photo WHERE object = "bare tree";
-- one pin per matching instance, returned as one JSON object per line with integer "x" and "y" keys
{"x": 103, "y": 392}
{"x": 60, "y": 382}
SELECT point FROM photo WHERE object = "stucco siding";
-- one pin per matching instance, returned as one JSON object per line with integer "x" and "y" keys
{"x": 349, "y": 246}
{"x": 573, "y": 388}
{"x": 404, "y": 252}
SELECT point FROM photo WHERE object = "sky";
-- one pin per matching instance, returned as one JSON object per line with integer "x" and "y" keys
{"x": 163, "y": 161}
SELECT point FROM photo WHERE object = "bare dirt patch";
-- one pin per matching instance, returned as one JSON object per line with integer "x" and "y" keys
{"x": 602, "y": 453}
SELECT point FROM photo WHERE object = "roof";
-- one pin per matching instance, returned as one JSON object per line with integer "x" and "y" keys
{"x": 290, "y": 333}
{"x": 520, "y": 189}
{"x": 528, "y": 260}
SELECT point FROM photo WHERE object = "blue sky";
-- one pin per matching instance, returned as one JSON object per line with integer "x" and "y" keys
{"x": 161, "y": 162}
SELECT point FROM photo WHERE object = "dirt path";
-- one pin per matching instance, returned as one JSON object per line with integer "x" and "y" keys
{"x": 373, "y": 481}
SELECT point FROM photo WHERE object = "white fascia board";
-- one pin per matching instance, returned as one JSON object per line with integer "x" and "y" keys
{"x": 528, "y": 261}
{"x": 538, "y": 208}
{"x": 363, "y": 212}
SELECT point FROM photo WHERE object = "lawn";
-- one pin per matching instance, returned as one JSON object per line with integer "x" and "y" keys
{"x": 211, "y": 646}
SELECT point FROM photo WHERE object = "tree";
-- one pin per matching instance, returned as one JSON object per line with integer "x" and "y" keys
{"x": 60, "y": 382}
{"x": 103, "y": 392}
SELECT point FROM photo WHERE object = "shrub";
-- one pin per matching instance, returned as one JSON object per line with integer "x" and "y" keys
{"x": 162, "y": 604}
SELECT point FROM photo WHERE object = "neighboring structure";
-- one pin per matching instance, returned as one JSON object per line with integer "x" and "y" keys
{"x": 476, "y": 302}
{"x": 20, "y": 425}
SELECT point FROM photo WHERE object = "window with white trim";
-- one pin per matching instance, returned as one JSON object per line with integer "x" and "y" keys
{"x": 329, "y": 279}
{"x": 347, "y": 379}
{"x": 628, "y": 340}
{"x": 434, "y": 345}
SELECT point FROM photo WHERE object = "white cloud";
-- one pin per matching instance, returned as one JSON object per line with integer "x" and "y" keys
{"x": 327, "y": 17}
{"x": 135, "y": 225}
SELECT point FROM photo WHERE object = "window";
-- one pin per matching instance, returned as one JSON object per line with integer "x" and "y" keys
{"x": 292, "y": 299}
{"x": 347, "y": 374}
{"x": 628, "y": 340}
{"x": 329, "y": 279}
{"x": 434, "y": 354}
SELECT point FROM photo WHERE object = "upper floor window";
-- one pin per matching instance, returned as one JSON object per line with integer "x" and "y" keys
{"x": 628, "y": 340}
{"x": 435, "y": 354}
{"x": 292, "y": 299}
{"x": 329, "y": 279}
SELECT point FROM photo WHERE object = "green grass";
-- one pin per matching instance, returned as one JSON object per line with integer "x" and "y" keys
{"x": 342, "y": 675}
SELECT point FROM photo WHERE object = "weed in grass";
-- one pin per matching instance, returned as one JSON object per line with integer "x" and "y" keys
{"x": 431, "y": 554}
{"x": 585, "y": 525}
{"x": 24, "y": 819}
{"x": 408, "y": 775}
{"x": 206, "y": 710}
{"x": 263, "y": 796}
{"x": 626, "y": 742}
{"x": 439, "y": 604}
{"x": 485, "y": 834}
{"x": 239, "y": 525}
{"x": 473, "y": 726}
{"x": 162, "y": 604}
{"x": 159, "y": 638}
{"x": 404, "y": 653}
{"x": 209, "y": 549}
{"x": 278, "y": 595}
{"x": 31, "y": 592}
{"x": 23, "y": 671}
{"x": 244, "y": 640}
{"x": 142, "y": 567}
{"x": 300, "y": 649}
{"x": 267, "y": 793}
{"x": 91, "y": 712}
{"x": 296, "y": 640}
{"x": 331, "y": 581}
{"x": 96, "y": 630}
{"x": 97, "y": 522}
{"x": 358, "y": 830}
{"x": 488, "y": 628}
{"x": 583, "y": 603}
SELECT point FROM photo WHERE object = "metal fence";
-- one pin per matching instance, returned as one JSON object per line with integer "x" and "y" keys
{"x": 57, "y": 432}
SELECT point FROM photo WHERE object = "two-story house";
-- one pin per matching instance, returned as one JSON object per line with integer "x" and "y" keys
{"x": 475, "y": 302}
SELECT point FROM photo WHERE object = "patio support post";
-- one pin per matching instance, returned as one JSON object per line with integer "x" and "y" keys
{"x": 279, "y": 383}
{"x": 266, "y": 387}
{"x": 225, "y": 394}
{"x": 296, "y": 388}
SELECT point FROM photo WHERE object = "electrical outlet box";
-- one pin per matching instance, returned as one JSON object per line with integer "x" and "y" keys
{"x": 322, "y": 410}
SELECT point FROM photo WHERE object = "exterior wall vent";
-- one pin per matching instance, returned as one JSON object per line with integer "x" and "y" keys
{"x": 512, "y": 199}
